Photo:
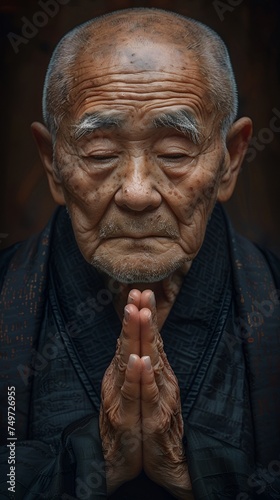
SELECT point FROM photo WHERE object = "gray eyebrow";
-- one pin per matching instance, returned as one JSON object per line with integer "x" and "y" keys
{"x": 181, "y": 120}
{"x": 94, "y": 121}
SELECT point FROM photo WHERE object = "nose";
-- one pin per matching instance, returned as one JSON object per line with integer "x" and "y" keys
{"x": 138, "y": 191}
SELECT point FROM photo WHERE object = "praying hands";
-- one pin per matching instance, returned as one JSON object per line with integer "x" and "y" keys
{"x": 141, "y": 424}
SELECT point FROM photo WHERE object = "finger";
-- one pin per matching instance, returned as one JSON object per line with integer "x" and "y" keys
{"x": 151, "y": 341}
{"x": 148, "y": 301}
{"x": 158, "y": 411}
{"x": 129, "y": 340}
{"x": 149, "y": 388}
{"x": 149, "y": 396}
{"x": 131, "y": 392}
{"x": 134, "y": 297}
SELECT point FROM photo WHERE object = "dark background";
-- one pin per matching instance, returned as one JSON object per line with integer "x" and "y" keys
{"x": 251, "y": 30}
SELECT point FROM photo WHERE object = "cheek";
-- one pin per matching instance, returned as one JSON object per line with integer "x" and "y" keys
{"x": 87, "y": 198}
{"x": 194, "y": 209}
{"x": 196, "y": 193}
{"x": 202, "y": 198}
{"x": 87, "y": 193}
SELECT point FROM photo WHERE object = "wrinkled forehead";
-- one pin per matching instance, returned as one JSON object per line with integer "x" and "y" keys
{"x": 136, "y": 72}
{"x": 132, "y": 64}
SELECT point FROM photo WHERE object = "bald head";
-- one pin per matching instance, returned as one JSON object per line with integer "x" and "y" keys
{"x": 101, "y": 36}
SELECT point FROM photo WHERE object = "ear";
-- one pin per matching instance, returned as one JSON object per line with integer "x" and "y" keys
{"x": 238, "y": 140}
{"x": 44, "y": 144}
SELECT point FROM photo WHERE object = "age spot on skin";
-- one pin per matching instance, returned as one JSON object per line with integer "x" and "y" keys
{"x": 209, "y": 191}
{"x": 117, "y": 177}
{"x": 177, "y": 194}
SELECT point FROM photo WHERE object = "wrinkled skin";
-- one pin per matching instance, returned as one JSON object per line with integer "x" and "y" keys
{"x": 141, "y": 404}
{"x": 139, "y": 198}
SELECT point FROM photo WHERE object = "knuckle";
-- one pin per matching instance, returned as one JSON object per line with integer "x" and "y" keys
{"x": 159, "y": 345}
{"x": 120, "y": 365}
{"x": 158, "y": 367}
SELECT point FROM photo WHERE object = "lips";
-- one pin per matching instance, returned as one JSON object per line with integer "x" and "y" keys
{"x": 136, "y": 230}
{"x": 138, "y": 236}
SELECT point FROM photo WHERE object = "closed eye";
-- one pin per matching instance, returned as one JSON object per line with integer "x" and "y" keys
{"x": 101, "y": 161}
{"x": 102, "y": 157}
{"x": 175, "y": 161}
{"x": 177, "y": 156}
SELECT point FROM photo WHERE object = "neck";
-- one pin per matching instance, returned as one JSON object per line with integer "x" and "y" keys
{"x": 165, "y": 292}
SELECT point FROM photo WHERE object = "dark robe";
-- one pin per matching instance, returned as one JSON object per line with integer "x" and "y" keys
{"x": 222, "y": 338}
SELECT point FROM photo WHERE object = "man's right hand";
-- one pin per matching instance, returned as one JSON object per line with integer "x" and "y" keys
{"x": 120, "y": 415}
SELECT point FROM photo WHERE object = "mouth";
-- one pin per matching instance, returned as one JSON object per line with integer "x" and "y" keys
{"x": 139, "y": 229}
{"x": 138, "y": 236}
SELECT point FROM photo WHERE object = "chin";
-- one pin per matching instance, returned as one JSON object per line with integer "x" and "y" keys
{"x": 128, "y": 271}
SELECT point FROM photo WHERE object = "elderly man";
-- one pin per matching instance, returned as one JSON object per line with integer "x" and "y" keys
{"x": 139, "y": 144}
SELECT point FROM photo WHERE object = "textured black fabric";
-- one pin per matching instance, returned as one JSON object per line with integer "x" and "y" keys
{"x": 226, "y": 362}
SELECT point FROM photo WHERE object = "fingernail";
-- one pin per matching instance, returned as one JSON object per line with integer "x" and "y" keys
{"x": 126, "y": 314}
{"x": 130, "y": 299}
{"x": 147, "y": 362}
{"x": 131, "y": 361}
